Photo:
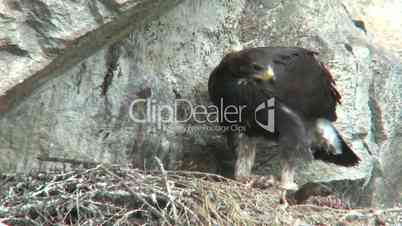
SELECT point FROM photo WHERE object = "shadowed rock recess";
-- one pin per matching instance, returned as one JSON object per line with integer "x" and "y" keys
{"x": 69, "y": 72}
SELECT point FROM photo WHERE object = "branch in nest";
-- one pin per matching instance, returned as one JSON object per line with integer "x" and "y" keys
{"x": 168, "y": 189}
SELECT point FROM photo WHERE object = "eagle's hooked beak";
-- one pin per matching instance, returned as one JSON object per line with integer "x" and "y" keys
{"x": 266, "y": 75}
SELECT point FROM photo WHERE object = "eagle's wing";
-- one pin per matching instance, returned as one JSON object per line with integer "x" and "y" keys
{"x": 306, "y": 86}
{"x": 304, "y": 83}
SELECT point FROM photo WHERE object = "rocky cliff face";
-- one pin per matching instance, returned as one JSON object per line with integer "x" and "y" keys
{"x": 70, "y": 72}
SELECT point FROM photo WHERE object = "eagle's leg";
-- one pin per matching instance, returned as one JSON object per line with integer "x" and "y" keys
{"x": 287, "y": 179}
{"x": 245, "y": 156}
{"x": 244, "y": 148}
{"x": 287, "y": 175}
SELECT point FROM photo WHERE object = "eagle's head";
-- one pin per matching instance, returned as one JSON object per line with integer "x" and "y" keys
{"x": 250, "y": 64}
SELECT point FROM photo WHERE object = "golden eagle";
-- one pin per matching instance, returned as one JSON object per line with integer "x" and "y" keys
{"x": 283, "y": 94}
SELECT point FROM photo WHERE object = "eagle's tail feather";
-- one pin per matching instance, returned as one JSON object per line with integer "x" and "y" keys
{"x": 329, "y": 146}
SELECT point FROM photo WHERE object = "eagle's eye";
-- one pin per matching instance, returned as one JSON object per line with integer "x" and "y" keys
{"x": 257, "y": 67}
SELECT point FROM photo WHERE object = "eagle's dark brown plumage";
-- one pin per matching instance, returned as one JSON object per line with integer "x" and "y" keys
{"x": 305, "y": 103}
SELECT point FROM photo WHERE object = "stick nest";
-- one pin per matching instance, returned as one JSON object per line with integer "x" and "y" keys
{"x": 115, "y": 195}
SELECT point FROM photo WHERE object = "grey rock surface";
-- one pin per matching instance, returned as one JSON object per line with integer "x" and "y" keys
{"x": 41, "y": 39}
{"x": 70, "y": 72}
